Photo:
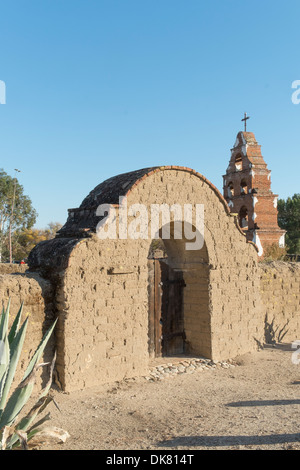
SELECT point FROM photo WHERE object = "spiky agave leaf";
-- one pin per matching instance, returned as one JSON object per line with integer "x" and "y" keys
{"x": 16, "y": 324}
{"x": 15, "y": 404}
{"x": 13, "y": 440}
{"x": 4, "y": 320}
{"x": 41, "y": 404}
{"x": 9, "y": 354}
{"x": 4, "y": 347}
{"x": 39, "y": 351}
{"x": 4, "y": 363}
{"x": 23, "y": 392}
{"x": 15, "y": 352}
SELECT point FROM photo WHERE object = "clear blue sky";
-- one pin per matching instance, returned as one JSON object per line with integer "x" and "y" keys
{"x": 100, "y": 87}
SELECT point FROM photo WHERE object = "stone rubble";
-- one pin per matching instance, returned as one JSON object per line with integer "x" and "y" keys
{"x": 186, "y": 366}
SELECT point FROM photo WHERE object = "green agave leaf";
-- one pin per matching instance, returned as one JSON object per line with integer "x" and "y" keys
{"x": 4, "y": 346}
{"x": 2, "y": 317}
{"x": 15, "y": 326}
{"x": 4, "y": 322}
{"x": 38, "y": 408}
{"x": 23, "y": 392}
{"x": 38, "y": 353}
{"x": 15, "y": 404}
{"x": 15, "y": 352}
{"x": 45, "y": 391}
{"x": 13, "y": 442}
{"x": 4, "y": 362}
{"x": 43, "y": 401}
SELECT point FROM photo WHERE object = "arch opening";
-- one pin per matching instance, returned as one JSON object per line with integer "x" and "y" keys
{"x": 244, "y": 187}
{"x": 179, "y": 314}
{"x": 243, "y": 218}
{"x": 230, "y": 190}
{"x": 238, "y": 162}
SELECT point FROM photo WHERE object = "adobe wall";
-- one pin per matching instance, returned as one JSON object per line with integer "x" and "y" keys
{"x": 103, "y": 315}
{"x": 228, "y": 333}
{"x": 37, "y": 295}
{"x": 9, "y": 268}
{"x": 102, "y": 288}
{"x": 280, "y": 293}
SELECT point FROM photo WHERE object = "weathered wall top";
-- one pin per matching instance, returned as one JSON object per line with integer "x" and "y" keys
{"x": 83, "y": 220}
{"x": 52, "y": 253}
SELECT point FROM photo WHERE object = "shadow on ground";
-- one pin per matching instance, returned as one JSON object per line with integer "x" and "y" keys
{"x": 237, "y": 404}
{"x": 228, "y": 441}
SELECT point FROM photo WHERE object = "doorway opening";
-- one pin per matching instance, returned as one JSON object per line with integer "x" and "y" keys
{"x": 178, "y": 290}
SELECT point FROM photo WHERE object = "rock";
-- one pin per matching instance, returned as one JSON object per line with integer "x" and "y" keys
{"x": 170, "y": 370}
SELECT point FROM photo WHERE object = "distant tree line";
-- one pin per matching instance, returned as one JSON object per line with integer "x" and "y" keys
{"x": 289, "y": 220}
{"x": 17, "y": 218}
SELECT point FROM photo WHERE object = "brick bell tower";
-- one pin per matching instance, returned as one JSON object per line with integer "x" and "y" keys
{"x": 247, "y": 190}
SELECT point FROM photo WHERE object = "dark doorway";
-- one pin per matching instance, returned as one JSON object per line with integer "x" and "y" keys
{"x": 166, "y": 322}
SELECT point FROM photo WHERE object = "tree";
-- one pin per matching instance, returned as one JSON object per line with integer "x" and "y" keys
{"x": 53, "y": 227}
{"x": 26, "y": 239}
{"x": 289, "y": 220}
{"x": 16, "y": 212}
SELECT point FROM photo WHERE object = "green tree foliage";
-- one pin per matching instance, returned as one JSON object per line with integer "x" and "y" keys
{"x": 24, "y": 215}
{"x": 25, "y": 240}
{"x": 289, "y": 220}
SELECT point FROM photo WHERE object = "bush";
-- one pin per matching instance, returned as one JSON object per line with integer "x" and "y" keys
{"x": 275, "y": 253}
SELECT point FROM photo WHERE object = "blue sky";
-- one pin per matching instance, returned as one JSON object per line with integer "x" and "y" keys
{"x": 100, "y": 87}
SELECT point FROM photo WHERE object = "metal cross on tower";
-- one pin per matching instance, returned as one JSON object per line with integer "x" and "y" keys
{"x": 245, "y": 120}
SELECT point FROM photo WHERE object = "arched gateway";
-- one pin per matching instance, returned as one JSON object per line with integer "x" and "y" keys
{"x": 120, "y": 302}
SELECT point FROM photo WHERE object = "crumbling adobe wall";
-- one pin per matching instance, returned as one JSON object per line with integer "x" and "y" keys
{"x": 280, "y": 293}
{"x": 10, "y": 268}
{"x": 102, "y": 286}
{"x": 103, "y": 314}
{"x": 37, "y": 295}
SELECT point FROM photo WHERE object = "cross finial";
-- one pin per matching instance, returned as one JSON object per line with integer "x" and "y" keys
{"x": 245, "y": 120}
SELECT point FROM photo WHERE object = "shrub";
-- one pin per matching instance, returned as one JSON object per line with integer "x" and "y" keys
{"x": 275, "y": 253}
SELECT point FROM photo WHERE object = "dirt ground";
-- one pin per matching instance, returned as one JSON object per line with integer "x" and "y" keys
{"x": 254, "y": 405}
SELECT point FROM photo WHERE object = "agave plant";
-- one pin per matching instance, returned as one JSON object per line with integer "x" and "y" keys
{"x": 16, "y": 430}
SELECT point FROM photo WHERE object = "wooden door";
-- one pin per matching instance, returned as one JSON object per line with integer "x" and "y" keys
{"x": 166, "y": 311}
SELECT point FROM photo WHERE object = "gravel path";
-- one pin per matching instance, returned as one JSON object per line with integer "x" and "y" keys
{"x": 253, "y": 403}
